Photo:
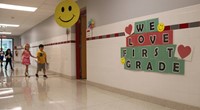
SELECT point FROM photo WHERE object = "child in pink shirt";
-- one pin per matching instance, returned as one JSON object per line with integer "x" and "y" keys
{"x": 26, "y": 58}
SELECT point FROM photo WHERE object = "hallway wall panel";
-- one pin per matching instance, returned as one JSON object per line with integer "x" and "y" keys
{"x": 104, "y": 66}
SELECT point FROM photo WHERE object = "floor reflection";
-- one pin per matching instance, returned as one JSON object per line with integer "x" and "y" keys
{"x": 6, "y": 78}
{"x": 43, "y": 89}
{"x": 27, "y": 91}
{"x": 1, "y": 78}
{"x": 9, "y": 79}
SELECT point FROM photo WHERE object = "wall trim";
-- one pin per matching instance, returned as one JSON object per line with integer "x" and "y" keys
{"x": 159, "y": 101}
{"x": 56, "y": 43}
{"x": 51, "y": 44}
{"x": 62, "y": 75}
{"x": 67, "y": 76}
{"x": 168, "y": 27}
{"x": 120, "y": 34}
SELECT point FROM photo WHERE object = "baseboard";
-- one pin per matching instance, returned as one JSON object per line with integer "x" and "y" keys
{"x": 163, "y": 102}
{"x": 62, "y": 75}
{"x": 67, "y": 76}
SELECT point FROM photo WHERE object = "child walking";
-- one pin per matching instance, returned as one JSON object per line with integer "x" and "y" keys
{"x": 26, "y": 54}
{"x": 41, "y": 61}
{"x": 1, "y": 56}
{"x": 8, "y": 56}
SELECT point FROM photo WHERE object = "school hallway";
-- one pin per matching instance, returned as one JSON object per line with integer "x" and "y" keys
{"x": 57, "y": 93}
{"x": 100, "y": 54}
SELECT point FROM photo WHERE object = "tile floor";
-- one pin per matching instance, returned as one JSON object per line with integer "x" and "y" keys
{"x": 57, "y": 93}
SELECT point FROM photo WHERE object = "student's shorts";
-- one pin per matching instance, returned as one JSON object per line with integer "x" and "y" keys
{"x": 40, "y": 66}
{"x": 1, "y": 58}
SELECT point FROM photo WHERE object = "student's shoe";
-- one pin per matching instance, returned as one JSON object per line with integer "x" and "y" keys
{"x": 27, "y": 75}
{"x": 37, "y": 75}
{"x": 45, "y": 76}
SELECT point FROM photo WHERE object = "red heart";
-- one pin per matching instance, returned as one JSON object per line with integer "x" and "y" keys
{"x": 128, "y": 29}
{"x": 184, "y": 51}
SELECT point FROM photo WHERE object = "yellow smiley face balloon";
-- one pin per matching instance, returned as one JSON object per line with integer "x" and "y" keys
{"x": 67, "y": 13}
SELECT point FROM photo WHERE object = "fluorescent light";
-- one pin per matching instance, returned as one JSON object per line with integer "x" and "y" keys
{"x": 3, "y": 89}
{"x": 6, "y": 97}
{"x": 17, "y": 7}
{"x": 16, "y": 108}
{"x": 6, "y": 92}
{"x": 10, "y": 25}
{"x": 5, "y": 33}
{"x": 54, "y": 102}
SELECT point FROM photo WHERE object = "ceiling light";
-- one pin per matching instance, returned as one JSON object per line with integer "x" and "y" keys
{"x": 17, "y": 7}
{"x": 9, "y": 25}
{"x": 16, "y": 108}
{"x": 53, "y": 102}
{"x": 5, "y": 33}
{"x": 9, "y": 91}
{"x": 6, "y": 97}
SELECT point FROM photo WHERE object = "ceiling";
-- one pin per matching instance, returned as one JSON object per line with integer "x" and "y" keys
{"x": 26, "y": 20}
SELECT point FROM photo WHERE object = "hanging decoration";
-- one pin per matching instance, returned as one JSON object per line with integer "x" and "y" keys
{"x": 67, "y": 13}
{"x": 91, "y": 24}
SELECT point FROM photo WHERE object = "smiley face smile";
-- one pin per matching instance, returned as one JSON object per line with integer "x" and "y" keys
{"x": 67, "y": 20}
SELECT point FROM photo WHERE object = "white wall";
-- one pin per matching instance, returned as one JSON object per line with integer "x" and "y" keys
{"x": 17, "y": 40}
{"x": 61, "y": 58}
{"x": 44, "y": 30}
{"x": 109, "y": 11}
{"x": 104, "y": 67}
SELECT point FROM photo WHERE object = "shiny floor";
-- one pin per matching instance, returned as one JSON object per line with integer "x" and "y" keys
{"x": 57, "y": 93}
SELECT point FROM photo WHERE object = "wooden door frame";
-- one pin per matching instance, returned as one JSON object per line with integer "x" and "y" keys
{"x": 78, "y": 49}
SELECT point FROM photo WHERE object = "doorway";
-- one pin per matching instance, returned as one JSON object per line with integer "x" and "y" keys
{"x": 81, "y": 66}
{"x": 6, "y": 43}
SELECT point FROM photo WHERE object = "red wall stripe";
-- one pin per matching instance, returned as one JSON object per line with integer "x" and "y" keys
{"x": 167, "y": 28}
{"x": 56, "y": 43}
{"x": 108, "y": 36}
{"x": 185, "y": 25}
{"x": 116, "y": 34}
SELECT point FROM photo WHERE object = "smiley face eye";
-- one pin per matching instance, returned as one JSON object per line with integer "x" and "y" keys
{"x": 70, "y": 8}
{"x": 62, "y": 9}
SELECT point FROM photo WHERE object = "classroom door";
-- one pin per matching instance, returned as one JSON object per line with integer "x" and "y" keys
{"x": 81, "y": 69}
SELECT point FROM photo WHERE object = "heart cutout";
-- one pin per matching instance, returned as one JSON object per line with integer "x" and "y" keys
{"x": 184, "y": 51}
{"x": 128, "y": 29}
